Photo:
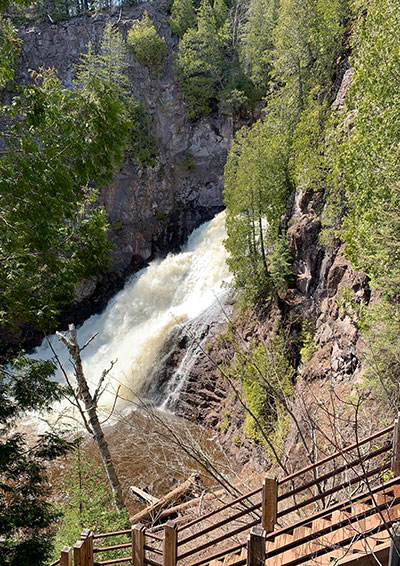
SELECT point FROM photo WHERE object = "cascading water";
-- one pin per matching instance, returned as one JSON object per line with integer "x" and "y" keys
{"x": 138, "y": 320}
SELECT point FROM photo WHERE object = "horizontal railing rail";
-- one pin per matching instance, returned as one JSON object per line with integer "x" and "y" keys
{"x": 312, "y": 485}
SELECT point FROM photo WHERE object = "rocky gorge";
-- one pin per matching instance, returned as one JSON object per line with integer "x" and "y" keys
{"x": 152, "y": 210}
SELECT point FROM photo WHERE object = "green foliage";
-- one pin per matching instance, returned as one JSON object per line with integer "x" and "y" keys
{"x": 280, "y": 266}
{"x": 87, "y": 504}
{"x": 188, "y": 162}
{"x": 183, "y": 17}
{"x": 256, "y": 45}
{"x": 9, "y": 50}
{"x": 199, "y": 63}
{"x": 298, "y": 55}
{"x": 51, "y": 235}
{"x": 366, "y": 161}
{"x": 381, "y": 346}
{"x": 308, "y": 345}
{"x": 309, "y": 157}
{"x": 109, "y": 65}
{"x": 266, "y": 376}
{"x": 145, "y": 43}
{"x": 226, "y": 422}
{"x": 143, "y": 143}
{"x": 237, "y": 441}
{"x": 256, "y": 190}
{"x": 307, "y": 39}
{"x": 26, "y": 517}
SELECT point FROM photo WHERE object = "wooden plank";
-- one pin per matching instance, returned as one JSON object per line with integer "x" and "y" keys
{"x": 396, "y": 448}
{"x": 164, "y": 501}
{"x": 87, "y": 536}
{"x": 80, "y": 553}
{"x": 256, "y": 547}
{"x": 143, "y": 495}
{"x": 66, "y": 556}
{"x": 138, "y": 542}
{"x": 269, "y": 504}
{"x": 170, "y": 546}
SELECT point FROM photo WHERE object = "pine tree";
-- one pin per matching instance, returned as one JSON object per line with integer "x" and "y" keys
{"x": 199, "y": 64}
{"x": 26, "y": 517}
{"x": 183, "y": 17}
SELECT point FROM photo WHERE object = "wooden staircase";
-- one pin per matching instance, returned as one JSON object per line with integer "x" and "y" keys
{"x": 336, "y": 512}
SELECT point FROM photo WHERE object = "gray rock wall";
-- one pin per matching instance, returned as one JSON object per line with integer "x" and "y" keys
{"x": 151, "y": 210}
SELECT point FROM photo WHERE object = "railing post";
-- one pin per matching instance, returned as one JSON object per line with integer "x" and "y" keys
{"x": 396, "y": 448}
{"x": 138, "y": 541}
{"x": 269, "y": 504}
{"x": 170, "y": 544}
{"x": 394, "y": 552}
{"x": 66, "y": 556}
{"x": 80, "y": 553}
{"x": 256, "y": 547}
{"x": 87, "y": 537}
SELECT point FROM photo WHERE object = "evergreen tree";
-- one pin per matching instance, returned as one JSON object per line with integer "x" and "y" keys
{"x": 109, "y": 66}
{"x": 256, "y": 44}
{"x": 199, "y": 63}
{"x": 145, "y": 43}
{"x": 365, "y": 152}
{"x": 307, "y": 39}
{"x": 183, "y": 17}
{"x": 256, "y": 190}
{"x": 9, "y": 50}
{"x": 27, "y": 518}
{"x": 51, "y": 234}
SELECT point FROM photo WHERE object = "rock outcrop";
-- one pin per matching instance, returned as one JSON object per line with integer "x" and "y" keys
{"x": 151, "y": 210}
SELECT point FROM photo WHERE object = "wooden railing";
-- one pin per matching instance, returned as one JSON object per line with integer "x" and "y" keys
{"x": 277, "y": 502}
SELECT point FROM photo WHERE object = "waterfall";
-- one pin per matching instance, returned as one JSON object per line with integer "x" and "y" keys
{"x": 139, "y": 319}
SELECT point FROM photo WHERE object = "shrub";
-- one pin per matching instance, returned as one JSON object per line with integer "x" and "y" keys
{"x": 145, "y": 43}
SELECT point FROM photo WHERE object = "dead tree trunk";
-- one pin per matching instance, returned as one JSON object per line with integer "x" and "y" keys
{"x": 90, "y": 403}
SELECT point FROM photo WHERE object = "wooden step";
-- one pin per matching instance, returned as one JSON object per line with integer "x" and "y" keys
{"x": 231, "y": 559}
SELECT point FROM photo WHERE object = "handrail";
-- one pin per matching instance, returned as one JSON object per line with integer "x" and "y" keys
{"x": 113, "y": 561}
{"x": 336, "y": 454}
{"x": 299, "y": 489}
{"x": 336, "y": 507}
{"x": 220, "y": 524}
{"x": 332, "y": 490}
{"x": 151, "y": 549}
{"x": 335, "y": 472}
{"x": 113, "y": 534}
{"x": 220, "y": 509}
{"x": 244, "y": 506}
{"x": 218, "y": 539}
{"x": 219, "y": 554}
{"x": 300, "y": 472}
{"x": 342, "y": 543}
{"x": 332, "y": 527}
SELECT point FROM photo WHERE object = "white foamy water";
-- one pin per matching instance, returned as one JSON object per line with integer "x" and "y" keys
{"x": 139, "y": 318}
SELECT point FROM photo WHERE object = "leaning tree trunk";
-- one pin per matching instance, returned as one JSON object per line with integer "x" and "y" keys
{"x": 91, "y": 410}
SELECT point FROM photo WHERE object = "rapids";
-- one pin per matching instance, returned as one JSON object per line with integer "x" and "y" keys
{"x": 138, "y": 320}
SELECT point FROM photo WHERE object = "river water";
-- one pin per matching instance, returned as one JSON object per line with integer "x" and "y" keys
{"x": 151, "y": 447}
{"x": 139, "y": 319}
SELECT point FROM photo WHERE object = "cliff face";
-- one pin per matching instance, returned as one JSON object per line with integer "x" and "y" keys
{"x": 322, "y": 275}
{"x": 151, "y": 210}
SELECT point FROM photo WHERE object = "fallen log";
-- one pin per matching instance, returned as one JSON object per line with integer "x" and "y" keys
{"x": 175, "y": 494}
{"x": 190, "y": 503}
{"x": 143, "y": 495}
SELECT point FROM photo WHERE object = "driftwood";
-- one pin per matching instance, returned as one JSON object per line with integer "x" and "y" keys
{"x": 190, "y": 503}
{"x": 143, "y": 495}
{"x": 175, "y": 494}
